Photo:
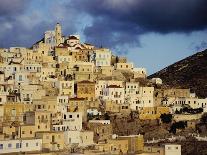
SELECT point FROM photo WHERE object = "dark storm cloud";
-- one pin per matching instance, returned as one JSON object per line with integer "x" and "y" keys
{"x": 116, "y": 20}
{"x": 11, "y": 29}
{"x": 22, "y": 23}
{"x": 9, "y": 8}
{"x": 115, "y": 23}
{"x": 107, "y": 33}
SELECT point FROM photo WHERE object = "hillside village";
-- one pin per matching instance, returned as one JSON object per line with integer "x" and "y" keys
{"x": 62, "y": 96}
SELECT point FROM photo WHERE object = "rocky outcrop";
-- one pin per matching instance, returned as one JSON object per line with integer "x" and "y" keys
{"x": 190, "y": 72}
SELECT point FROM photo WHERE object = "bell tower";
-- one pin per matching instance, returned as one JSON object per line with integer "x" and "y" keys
{"x": 58, "y": 34}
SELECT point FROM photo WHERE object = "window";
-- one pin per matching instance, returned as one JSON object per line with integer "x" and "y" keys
{"x": 1, "y": 146}
{"x": 30, "y": 132}
{"x": 13, "y": 112}
{"x": 70, "y": 116}
{"x": 38, "y": 106}
{"x": 18, "y": 145}
{"x": 9, "y": 145}
{"x": 20, "y": 77}
{"x": 37, "y": 144}
{"x": 27, "y": 144}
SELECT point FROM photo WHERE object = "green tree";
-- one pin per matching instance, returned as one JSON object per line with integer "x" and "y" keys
{"x": 204, "y": 118}
{"x": 106, "y": 116}
{"x": 177, "y": 125}
{"x": 166, "y": 118}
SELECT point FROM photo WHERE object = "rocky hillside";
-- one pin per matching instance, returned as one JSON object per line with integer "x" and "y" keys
{"x": 190, "y": 72}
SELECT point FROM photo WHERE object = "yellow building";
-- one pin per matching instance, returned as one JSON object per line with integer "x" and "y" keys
{"x": 114, "y": 146}
{"x": 86, "y": 89}
{"x": 41, "y": 48}
{"x": 51, "y": 140}
{"x": 32, "y": 56}
{"x": 41, "y": 120}
{"x": 94, "y": 104}
{"x": 102, "y": 132}
{"x": 65, "y": 87}
{"x": 111, "y": 106}
{"x": 15, "y": 111}
{"x": 1, "y": 113}
{"x": 153, "y": 112}
{"x": 173, "y": 92}
{"x": 30, "y": 92}
{"x": 47, "y": 72}
{"x": 124, "y": 66}
{"x": 83, "y": 71}
{"x": 78, "y": 105}
{"x": 47, "y": 103}
{"x": 80, "y": 55}
{"x": 86, "y": 138}
{"x": 61, "y": 50}
{"x": 135, "y": 143}
{"x": 107, "y": 70}
{"x": 157, "y": 150}
{"x": 16, "y": 130}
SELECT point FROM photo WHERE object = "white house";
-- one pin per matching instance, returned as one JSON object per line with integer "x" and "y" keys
{"x": 20, "y": 145}
{"x": 70, "y": 121}
{"x": 81, "y": 138}
{"x": 124, "y": 66}
{"x": 103, "y": 57}
{"x": 132, "y": 88}
{"x": 145, "y": 96}
{"x": 102, "y": 84}
{"x": 140, "y": 72}
{"x": 114, "y": 93}
{"x": 172, "y": 149}
{"x": 157, "y": 81}
{"x": 100, "y": 121}
{"x": 64, "y": 58}
{"x": 65, "y": 87}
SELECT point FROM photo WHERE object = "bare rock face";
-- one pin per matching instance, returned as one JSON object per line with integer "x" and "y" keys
{"x": 190, "y": 72}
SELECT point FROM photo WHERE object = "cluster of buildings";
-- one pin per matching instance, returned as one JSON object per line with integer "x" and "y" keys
{"x": 49, "y": 91}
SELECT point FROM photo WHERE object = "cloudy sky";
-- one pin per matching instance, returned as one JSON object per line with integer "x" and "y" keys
{"x": 151, "y": 33}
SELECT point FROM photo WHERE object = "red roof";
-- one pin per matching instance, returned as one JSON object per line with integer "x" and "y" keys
{"x": 73, "y": 37}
